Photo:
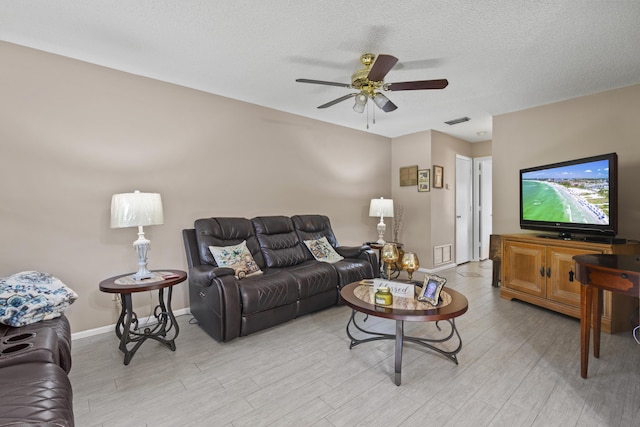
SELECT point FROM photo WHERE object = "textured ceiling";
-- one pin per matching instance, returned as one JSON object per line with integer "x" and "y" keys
{"x": 499, "y": 56}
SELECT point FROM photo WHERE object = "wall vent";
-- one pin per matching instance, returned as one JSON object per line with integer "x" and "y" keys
{"x": 441, "y": 255}
{"x": 459, "y": 120}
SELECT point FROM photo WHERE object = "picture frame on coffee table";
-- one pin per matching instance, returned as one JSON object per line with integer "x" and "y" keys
{"x": 431, "y": 289}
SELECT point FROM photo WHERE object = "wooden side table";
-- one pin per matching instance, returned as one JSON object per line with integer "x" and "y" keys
{"x": 615, "y": 273}
{"x": 127, "y": 325}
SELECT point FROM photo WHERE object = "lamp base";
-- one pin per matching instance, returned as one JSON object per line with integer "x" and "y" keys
{"x": 142, "y": 249}
{"x": 382, "y": 227}
{"x": 142, "y": 274}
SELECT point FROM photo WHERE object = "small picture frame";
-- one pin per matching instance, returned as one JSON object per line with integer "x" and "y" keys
{"x": 438, "y": 176}
{"x": 431, "y": 288}
{"x": 423, "y": 180}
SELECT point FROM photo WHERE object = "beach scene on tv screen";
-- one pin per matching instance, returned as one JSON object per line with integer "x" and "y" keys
{"x": 570, "y": 194}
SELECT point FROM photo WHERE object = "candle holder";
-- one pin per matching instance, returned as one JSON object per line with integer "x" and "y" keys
{"x": 410, "y": 263}
{"x": 389, "y": 256}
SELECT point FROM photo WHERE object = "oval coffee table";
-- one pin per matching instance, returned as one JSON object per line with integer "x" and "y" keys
{"x": 360, "y": 299}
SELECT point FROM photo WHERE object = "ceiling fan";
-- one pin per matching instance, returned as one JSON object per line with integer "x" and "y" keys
{"x": 369, "y": 81}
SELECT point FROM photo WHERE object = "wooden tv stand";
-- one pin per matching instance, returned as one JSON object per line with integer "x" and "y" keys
{"x": 541, "y": 271}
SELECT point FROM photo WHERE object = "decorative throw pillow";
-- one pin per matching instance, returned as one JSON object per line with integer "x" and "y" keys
{"x": 31, "y": 296}
{"x": 237, "y": 257}
{"x": 322, "y": 250}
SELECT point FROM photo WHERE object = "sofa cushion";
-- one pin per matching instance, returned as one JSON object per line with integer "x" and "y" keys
{"x": 31, "y": 296}
{"x": 313, "y": 278}
{"x": 237, "y": 257}
{"x": 314, "y": 227}
{"x": 35, "y": 394}
{"x": 225, "y": 232}
{"x": 278, "y": 241}
{"x": 267, "y": 291}
{"x": 322, "y": 251}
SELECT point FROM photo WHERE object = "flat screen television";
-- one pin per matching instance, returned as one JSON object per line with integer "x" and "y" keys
{"x": 576, "y": 196}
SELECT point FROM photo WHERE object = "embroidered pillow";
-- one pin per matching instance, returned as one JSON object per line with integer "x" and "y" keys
{"x": 31, "y": 296}
{"x": 322, "y": 250}
{"x": 237, "y": 257}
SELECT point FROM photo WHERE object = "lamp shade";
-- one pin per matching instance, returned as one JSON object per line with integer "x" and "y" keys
{"x": 381, "y": 207}
{"x": 136, "y": 209}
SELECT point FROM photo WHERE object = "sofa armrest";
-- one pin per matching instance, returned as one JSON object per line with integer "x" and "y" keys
{"x": 204, "y": 275}
{"x": 361, "y": 252}
{"x": 215, "y": 301}
{"x": 351, "y": 251}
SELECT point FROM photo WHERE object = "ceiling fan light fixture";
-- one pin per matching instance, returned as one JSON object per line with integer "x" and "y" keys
{"x": 358, "y": 108}
{"x": 361, "y": 102}
{"x": 383, "y": 102}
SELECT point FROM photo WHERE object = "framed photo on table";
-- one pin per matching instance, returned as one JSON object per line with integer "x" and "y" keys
{"x": 438, "y": 176}
{"x": 423, "y": 180}
{"x": 431, "y": 288}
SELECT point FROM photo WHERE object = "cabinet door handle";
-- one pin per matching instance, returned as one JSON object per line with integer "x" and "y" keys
{"x": 571, "y": 274}
{"x": 548, "y": 271}
{"x": 542, "y": 271}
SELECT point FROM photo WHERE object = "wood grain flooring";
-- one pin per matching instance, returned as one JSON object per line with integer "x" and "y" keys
{"x": 519, "y": 366}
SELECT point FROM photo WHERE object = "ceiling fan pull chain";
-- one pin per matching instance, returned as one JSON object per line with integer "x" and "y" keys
{"x": 367, "y": 115}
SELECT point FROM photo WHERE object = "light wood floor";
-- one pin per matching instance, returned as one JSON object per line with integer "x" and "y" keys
{"x": 519, "y": 366}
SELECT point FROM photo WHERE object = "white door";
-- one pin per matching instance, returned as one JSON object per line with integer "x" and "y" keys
{"x": 482, "y": 199}
{"x": 464, "y": 212}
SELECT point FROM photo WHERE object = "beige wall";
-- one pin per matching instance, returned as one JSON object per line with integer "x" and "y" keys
{"x": 410, "y": 150}
{"x": 590, "y": 125}
{"x": 481, "y": 149}
{"x": 429, "y": 217}
{"x": 443, "y": 216}
{"x": 73, "y": 134}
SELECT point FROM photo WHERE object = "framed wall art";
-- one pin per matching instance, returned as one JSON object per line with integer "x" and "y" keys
{"x": 438, "y": 176}
{"x": 408, "y": 175}
{"x": 424, "y": 183}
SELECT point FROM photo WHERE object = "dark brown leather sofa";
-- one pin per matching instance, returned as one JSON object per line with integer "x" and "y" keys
{"x": 292, "y": 284}
{"x": 34, "y": 363}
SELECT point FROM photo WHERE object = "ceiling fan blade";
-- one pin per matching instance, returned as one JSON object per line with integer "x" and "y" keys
{"x": 321, "y": 82}
{"x": 417, "y": 85}
{"x": 335, "y": 101}
{"x": 382, "y": 65}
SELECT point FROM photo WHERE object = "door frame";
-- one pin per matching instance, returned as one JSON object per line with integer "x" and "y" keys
{"x": 482, "y": 206}
{"x": 465, "y": 192}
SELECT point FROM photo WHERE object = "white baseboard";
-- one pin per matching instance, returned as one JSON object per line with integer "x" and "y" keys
{"x": 111, "y": 328}
{"x": 438, "y": 268}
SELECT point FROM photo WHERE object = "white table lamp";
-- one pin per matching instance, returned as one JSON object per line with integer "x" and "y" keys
{"x": 380, "y": 208}
{"x": 137, "y": 210}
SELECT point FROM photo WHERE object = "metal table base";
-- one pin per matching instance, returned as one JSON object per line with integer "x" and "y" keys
{"x": 128, "y": 323}
{"x": 400, "y": 338}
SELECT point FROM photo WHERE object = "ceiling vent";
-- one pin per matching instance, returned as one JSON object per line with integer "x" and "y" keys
{"x": 456, "y": 121}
